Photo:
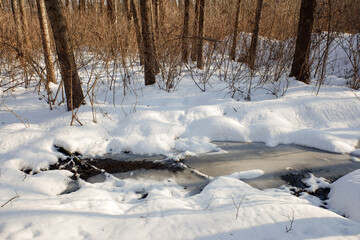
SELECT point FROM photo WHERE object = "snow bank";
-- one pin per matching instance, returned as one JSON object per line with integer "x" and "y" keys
{"x": 116, "y": 209}
{"x": 344, "y": 196}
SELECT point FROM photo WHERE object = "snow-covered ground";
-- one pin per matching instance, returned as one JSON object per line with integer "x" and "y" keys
{"x": 183, "y": 122}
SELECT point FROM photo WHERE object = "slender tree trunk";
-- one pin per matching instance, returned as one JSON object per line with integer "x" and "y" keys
{"x": 101, "y": 6}
{"x": 195, "y": 32}
{"x": 154, "y": 36}
{"x": 25, "y": 26}
{"x": 67, "y": 4}
{"x": 137, "y": 27}
{"x": 82, "y": 6}
{"x": 111, "y": 11}
{"x": 235, "y": 33}
{"x": 68, "y": 69}
{"x": 200, "y": 58}
{"x": 19, "y": 30}
{"x": 20, "y": 37}
{"x": 156, "y": 16}
{"x": 128, "y": 12}
{"x": 255, "y": 35}
{"x": 148, "y": 44}
{"x": 185, "y": 42}
{"x": 46, "y": 41}
{"x": 300, "y": 67}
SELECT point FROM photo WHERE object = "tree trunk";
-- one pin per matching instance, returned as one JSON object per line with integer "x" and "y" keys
{"x": 68, "y": 69}
{"x": 300, "y": 67}
{"x": 25, "y": 26}
{"x": 67, "y": 4}
{"x": 20, "y": 37}
{"x": 200, "y": 58}
{"x": 127, "y": 12}
{"x": 185, "y": 42}
{"x": 195, "y": 32}
{"x": 156, "y": 16}
{"x": 46, "y": 41}
{"x": 19, "y": 30}
{"x": 101, "y": 6}
{"x": 235, "y": 33}
{"x": 137, "y": 31}
{"x": 82, "y": 6}
{"x": 148, "y": 44}
{"x": 111, "y": 11}
{"x": 255, "y": 36}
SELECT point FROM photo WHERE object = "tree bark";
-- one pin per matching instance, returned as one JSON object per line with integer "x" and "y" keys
{"x": 195, "y": 32}
{"x": 185, "y": 42}
{"x": 235, "y": 33}
{"x": 255, "y": 36}
{"x": 46, "y": 41}
{"x": 68, "y": 69}
{"x": 127, "y": 12}
{"x": 300, "y": 67}
{"x": 101, "y": 6}
{"x": 200, "y": 58}
{"x": 156, "y": 16}
{"x": 137, "y": 27}
{"x": 25, "y": 27}
{"x": 82, "y": 6}
{"x": 148, "y": 44}
{"x": 19, "y": 30}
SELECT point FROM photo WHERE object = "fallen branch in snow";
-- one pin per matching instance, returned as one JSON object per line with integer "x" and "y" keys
{"x": 77, "y": 160}
{"x": 9, "y": 201}
{"x": 237, "y": 206}
{"x": 17, "y": 116}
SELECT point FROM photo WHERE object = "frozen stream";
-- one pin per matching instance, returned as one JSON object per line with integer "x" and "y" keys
{"x": 274, "y": 162}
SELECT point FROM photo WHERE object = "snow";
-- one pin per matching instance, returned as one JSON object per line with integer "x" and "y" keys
{"x": 344, "y": 196}
{"x": 315, "y": 183}
{"x": 176, "y": 124}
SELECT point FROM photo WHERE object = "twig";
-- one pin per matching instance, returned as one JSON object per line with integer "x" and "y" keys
{"x": 17, "y": 116}
{"x": 291, "y": 220}
{"x": 9, "y": 201}
{"x": 237, "y": 206}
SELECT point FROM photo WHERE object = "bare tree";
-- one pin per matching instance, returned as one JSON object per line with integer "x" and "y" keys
{"x": 68, "y": 69}
{"x": 235, "y": 33}
{"x": 24, "y": 25}
{"x": 82, "y": 5}
{"x": 185, "y": 43}
{"x": 255, "y": 35}
{"x": 150, "y": 64}
{"x": 21, "y": 46}
{"x": 300, "y": 67}
{"x": 46, "y": 41}
{"x": 137, "y": 27}
{"x": 200, "y": 58}
{"x": 195, "y": 32}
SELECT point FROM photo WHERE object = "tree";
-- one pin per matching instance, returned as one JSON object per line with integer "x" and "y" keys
{"x": 300, "y": 67}
{"x": 21, "y": 43}
{"x": 200, "y": 59}
{"x": 150, "y": 62}
{"x": 235, "y": 33}
{"x": 137, "y": 27}
{"x": 64, "y": 50}
{"x": 195, "y": 32}
{"x": 46, "y": 41}
{"x": 185, "y": 43}
{"x": 255, "y": 35}
{"x": 24, "y": 25}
